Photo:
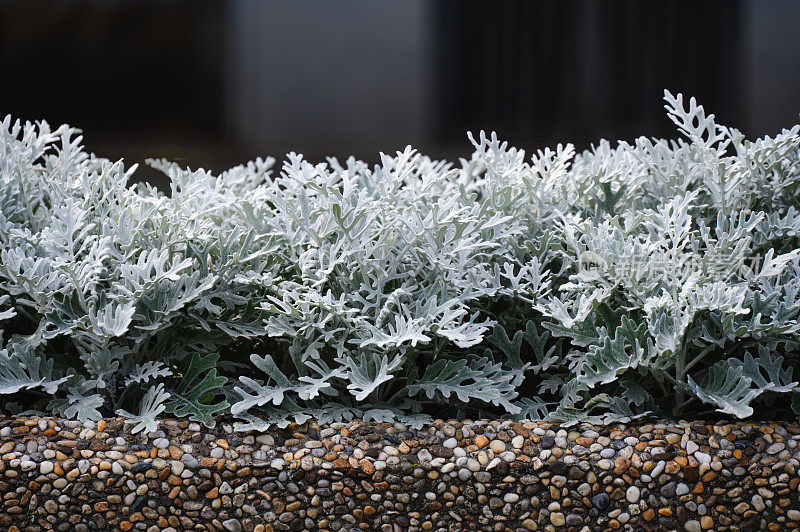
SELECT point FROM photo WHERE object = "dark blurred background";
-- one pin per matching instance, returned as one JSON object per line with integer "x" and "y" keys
{"x": 214, "y": 83}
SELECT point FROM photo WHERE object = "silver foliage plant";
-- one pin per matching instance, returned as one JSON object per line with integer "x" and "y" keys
{"x": 655, "y": 276}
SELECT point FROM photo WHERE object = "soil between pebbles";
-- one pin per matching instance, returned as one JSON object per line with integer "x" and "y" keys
{"x": 481, "y": 475}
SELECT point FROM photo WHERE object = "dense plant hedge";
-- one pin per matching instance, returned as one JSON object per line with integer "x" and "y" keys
{"x": 658, "y": 276}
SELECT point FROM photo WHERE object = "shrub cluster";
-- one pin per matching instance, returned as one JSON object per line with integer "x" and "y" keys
{"x": 655, "y": 277}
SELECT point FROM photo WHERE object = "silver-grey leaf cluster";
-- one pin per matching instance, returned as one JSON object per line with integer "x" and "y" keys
{"x": 648, "y": 277}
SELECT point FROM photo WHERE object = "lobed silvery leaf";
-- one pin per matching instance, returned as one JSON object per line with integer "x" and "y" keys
{"x": 152, "y": 405}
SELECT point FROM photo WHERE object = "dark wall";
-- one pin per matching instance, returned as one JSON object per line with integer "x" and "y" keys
{"x": 212, "y": 82}
{"x": 583, "y": 69}
{"x": 106, "y": 65}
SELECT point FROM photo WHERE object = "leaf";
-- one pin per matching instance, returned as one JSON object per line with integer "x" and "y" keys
{"x": 471, "y": 378}
{"x": 24, "y": 368}
{"x": 275, "y": 417}
{"x": 630, "y": 348}
{"x": 83, "y": 407}
{"x": 513, "y": 348}
{"x": 152, "y": 405}
{"x": 634, "y": 393}
{"x": 367, "y": 373}
{"x": 197, "y": 386}
{"x": 264, "y": 394}
{"x": 733, "y": 384}
{"x": 8, "y": 313}
{"x": 147, "y": 371}
{"x": 531, "y": 408}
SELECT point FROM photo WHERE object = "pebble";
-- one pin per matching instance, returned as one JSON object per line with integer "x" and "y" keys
{"x": 232, "y": 525}
{"x": 692, "y": 525}
{"x": 702, "y": 458}
{"x": 497, "y": 446}
{"x": 775, "y": 448}
{"x": 608, "y": 453}
{"x": 601, "y": 501}
{"x": 493, "y": 474}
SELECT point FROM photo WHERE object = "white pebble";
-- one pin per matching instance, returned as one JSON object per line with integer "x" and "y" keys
{"x": 702, "y": 458}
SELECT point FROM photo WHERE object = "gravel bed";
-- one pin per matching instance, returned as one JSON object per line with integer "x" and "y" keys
{"x": 473, "y": 475}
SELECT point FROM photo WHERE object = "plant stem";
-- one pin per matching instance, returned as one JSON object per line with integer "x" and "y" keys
{"x": 680, "y": 375}
{"x": 699, "y": 357}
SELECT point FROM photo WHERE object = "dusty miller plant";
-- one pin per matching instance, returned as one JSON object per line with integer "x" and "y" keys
{"x": 654, "y": 277}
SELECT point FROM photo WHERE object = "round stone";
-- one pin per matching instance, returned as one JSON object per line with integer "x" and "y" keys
{"x": 702, "y": 458}
{"x": 601, "y": 501}
{"x": 574, "y": 520}
{"x": 632, "y": 495}
{"x": 497, "y": 446}
{"x": 758, "y": 503}
{"x": 775, "y": 448}
{"x": 557, "y": 518}
{"x": 232, "y": 525}
{"x": 464, "y": 474}
{"x": 607, "y": 453}
{"x": 692, "y": 526}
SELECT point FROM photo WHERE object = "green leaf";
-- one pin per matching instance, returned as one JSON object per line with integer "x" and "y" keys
{"x": 199, "y": 380}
